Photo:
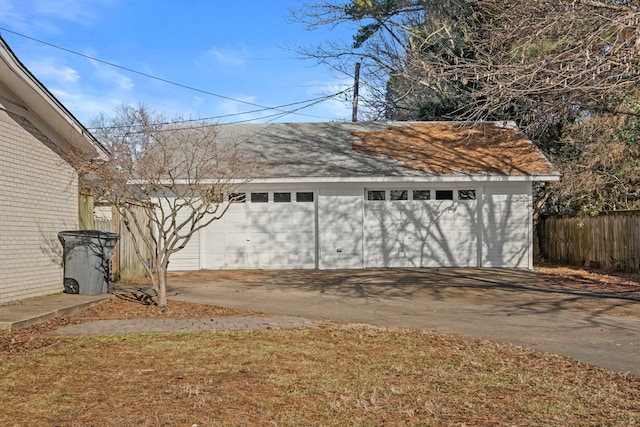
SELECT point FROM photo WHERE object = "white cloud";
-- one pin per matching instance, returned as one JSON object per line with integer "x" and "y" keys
{"x": 225, "y": 58}
{"x": 85, "y": 106}
{"x": 77, "y": 11}
{"x": 335, "y": 108}
{"x": 197, "y": 101}
{"x": 229, "y": 111}
{"x": 111, "y": 77}
{"x": 44, "y": 16}
{"x": 52, "y": 70}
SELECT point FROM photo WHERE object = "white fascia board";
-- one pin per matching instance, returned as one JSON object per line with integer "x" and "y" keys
{"x": 382, "y": 179}
{"x": 43, "y": 109}
{"x": 364, "y": 180}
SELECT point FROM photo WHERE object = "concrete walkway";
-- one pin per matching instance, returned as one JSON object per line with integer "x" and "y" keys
{"x": 27, "y": 312}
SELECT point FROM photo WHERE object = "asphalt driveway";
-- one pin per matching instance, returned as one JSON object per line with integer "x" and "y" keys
{"x": 514, "y": 306}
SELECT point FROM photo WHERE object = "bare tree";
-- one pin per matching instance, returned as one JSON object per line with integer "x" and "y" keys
{"x": 538, "y": 61}
{"x": 567, "y": 71}
{"x": 177, "y": 174}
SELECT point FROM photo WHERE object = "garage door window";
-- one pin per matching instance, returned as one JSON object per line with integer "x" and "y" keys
{"x": 466, "y": 194}
{"x": 238, "y": 197}
{"x": 421, "y": 194}
{"x": 375, "y": 195}
{"x": 399, "y": 195}
{"x": 304, "y": 197}
{"x": 444, "y": 194}
{"x": 281, "y": 197}
{"x": 259, "y": 197}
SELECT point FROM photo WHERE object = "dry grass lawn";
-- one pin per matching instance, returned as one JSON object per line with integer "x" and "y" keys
{"x": 332, "y": 375}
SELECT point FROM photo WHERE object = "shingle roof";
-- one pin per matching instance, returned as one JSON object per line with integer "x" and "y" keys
{"x": 376, "y": 149}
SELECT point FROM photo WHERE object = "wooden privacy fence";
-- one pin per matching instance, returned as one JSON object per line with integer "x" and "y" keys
{"x": 610, "y": 241}
{"x": 126, "y": 265}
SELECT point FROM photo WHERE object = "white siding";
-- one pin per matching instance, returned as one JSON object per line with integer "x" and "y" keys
{"x": 507, "y": 228}
{"x": 38, "y": 198}
{"x": 187, "y": 258}
{"x": 344, "y": 230}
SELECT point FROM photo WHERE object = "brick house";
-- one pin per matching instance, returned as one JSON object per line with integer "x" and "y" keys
{"x": 38, "y": 185}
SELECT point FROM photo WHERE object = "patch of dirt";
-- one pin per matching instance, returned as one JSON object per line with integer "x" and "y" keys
{"x": 586, "y": 280}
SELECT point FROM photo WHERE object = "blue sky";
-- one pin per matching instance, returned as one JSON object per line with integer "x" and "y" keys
{"x": 239, "y": 50}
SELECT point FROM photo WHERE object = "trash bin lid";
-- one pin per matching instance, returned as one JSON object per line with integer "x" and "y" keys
{"x": 88, "y": 234}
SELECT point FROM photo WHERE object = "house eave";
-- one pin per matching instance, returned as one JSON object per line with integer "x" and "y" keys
{"x": 41, "y": 106}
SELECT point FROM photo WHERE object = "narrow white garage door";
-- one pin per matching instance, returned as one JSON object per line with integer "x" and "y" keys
{"x": 340, "y": 227}
{"x": 264, "y": 230}
{"x": 420, "y": 228}
{"x": 507, "y": 236}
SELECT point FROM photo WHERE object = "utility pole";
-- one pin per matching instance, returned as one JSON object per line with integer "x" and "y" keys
{"x": 356, "y": 83}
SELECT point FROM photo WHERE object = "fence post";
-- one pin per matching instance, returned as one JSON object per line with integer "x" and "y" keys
{"x": 85, "y": 210}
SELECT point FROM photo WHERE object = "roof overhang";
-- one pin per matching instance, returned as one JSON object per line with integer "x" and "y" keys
{"x": 407, "y": 179}
{"x": 40, "y": 107}
{"x": 373, "y": 179}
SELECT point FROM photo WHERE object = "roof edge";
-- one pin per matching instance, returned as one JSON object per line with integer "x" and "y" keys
{"x": 385, "y": 179}
{"x": 82, "y": 140}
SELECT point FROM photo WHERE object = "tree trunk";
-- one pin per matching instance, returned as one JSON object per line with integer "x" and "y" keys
{"x": 537, "y": 247}
{"x": 162, "y": 287}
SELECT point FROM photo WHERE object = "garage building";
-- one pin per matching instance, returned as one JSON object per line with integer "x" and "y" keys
{"x": 359, "y": 195}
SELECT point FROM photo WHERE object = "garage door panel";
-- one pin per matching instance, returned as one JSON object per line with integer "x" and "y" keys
{"x": 282, "y": 218}
{"x": 235, "y": 258}
{"x": 234, "y": 239}
{"x": 305, "y": 220}
{"x": 507, "y": 230}
{"x": 303, "y": 258}
{"x": 262, "y": 235}
{"x": 235, "y": 217}
{"x": 260, "y": 259}
{"x": 282, "y": 260}
{"x": 283, "y": 238}
{"x": 260, "y": 218}
{"x": 303, "y": 237}
{"x": 421, "y": 233}
{"x": 259, "y": 241}
{"x": 215, "y": 242}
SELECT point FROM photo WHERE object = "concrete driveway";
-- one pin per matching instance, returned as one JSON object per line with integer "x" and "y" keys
{"x": 514, "y": 306}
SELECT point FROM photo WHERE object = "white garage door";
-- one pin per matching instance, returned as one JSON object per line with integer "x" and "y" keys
{"x": 340, "y": 227}
{"x": 420, "y": 228}
{"x": 507, "y": 228}
{"x": 266, "y": 230}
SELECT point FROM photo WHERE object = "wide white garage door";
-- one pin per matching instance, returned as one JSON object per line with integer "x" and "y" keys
{"x": 420, "y": 228}
{"x": 267, "y": 230}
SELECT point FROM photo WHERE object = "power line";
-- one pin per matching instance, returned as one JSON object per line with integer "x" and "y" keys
{"x": 150, "y": 76}
{"x": 201, "y": 122}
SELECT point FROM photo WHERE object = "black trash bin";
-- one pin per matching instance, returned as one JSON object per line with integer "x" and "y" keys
{"x": 87, "y": 260}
